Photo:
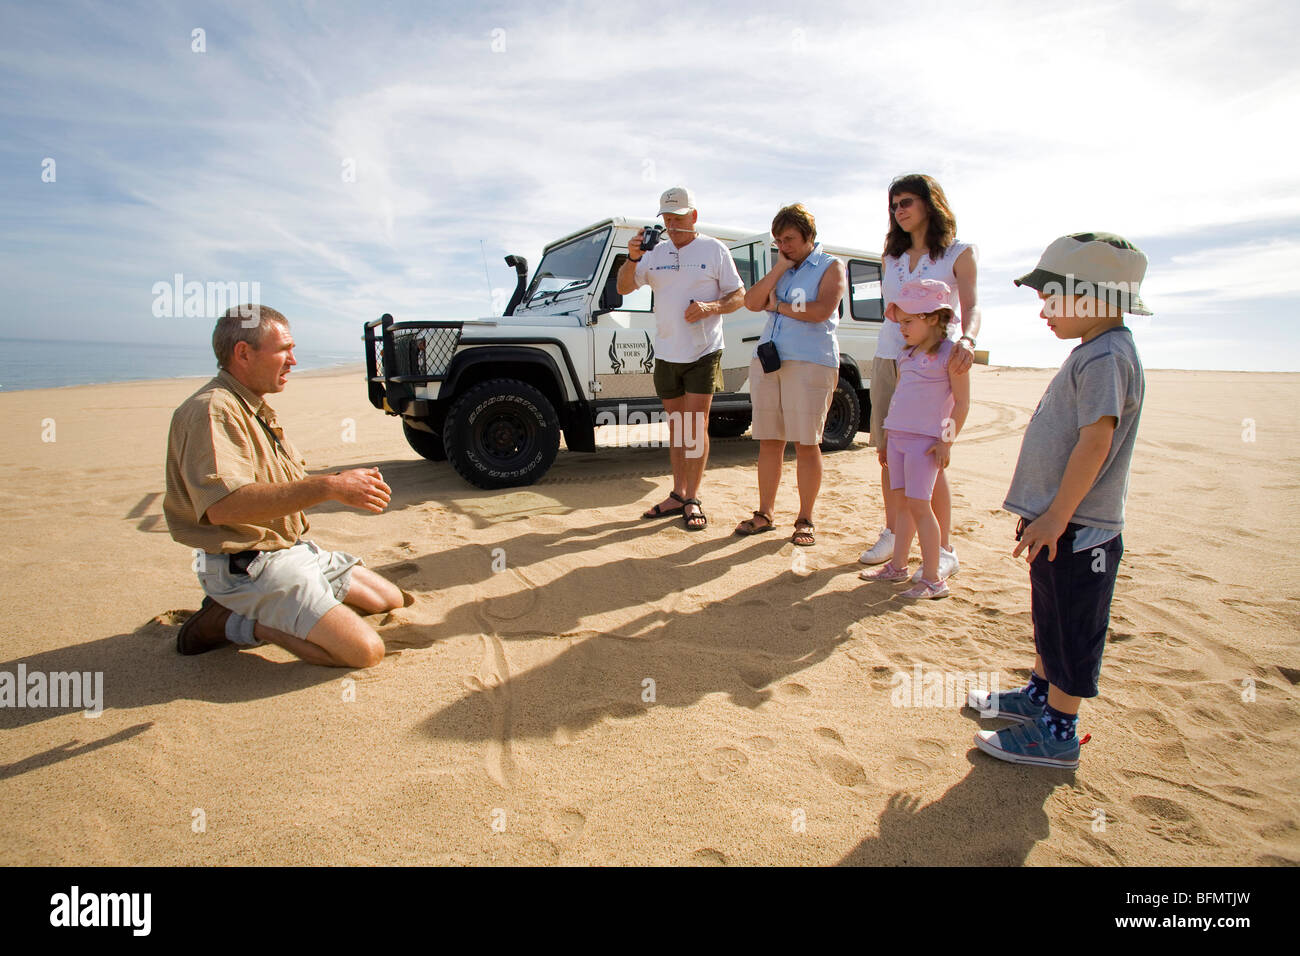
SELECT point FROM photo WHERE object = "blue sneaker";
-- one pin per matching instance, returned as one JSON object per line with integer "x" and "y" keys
{"x": 1030, "y": 744}
{"x": 1011, "y": 704}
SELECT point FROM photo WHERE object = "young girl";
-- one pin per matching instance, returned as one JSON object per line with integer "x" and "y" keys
{"x": 927, "y": 411}
{"x": 922, "y": 243}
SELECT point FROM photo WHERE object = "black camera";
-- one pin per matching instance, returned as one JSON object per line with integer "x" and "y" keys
{"x": 650, "y": 237}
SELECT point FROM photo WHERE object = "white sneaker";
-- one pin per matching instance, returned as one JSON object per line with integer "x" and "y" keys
{"x": 948, "y": 565}
{"x": 881, "y": 551}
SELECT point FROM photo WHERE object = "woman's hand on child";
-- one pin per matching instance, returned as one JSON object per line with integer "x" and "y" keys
{"x": 963, "y": 356}
{"x": 1043, "y": 532}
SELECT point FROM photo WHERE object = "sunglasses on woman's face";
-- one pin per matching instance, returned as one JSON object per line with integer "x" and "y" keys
{"x": 904, "y": 203}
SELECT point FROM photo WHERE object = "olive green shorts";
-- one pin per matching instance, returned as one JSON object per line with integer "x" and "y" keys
{"x": 701, "y": 377}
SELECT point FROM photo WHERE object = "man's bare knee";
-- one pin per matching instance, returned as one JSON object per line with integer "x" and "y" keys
{"x": 372, "y": 593}
{"x": 347, "y": 638}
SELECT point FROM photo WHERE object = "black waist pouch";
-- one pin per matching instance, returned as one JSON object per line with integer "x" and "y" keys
{"x": 768, "y": 357}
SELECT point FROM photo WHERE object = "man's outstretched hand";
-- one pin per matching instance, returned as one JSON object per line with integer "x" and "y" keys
{"x": 362, "y": 488}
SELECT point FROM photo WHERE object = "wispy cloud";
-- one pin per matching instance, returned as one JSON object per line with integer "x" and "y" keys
{"x": 500, "y": 127}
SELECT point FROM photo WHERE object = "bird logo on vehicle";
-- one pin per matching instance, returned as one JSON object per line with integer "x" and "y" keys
{"x": 623, "y": 353}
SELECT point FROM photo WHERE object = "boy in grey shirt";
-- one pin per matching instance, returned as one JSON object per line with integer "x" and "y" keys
{"x": 1069, "y": 488}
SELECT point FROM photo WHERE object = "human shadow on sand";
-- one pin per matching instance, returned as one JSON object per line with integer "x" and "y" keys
{"x": 625, "y": 475}
{"x": 142, "y": 668}
{"x": 74, "y": 748}
{"x": 992, "y": 817}
{"x": 747, "y": 645}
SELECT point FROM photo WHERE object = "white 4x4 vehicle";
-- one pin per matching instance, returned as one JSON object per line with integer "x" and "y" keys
{"x": 492, "y": 395}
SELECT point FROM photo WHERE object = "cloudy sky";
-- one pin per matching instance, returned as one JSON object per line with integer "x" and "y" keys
{"x": 360, "y": 158}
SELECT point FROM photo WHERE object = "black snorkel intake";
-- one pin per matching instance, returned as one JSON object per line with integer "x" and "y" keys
{"x": 520, "y": 265}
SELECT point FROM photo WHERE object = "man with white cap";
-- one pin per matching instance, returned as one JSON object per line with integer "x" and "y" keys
{"x": 695, "y": 283}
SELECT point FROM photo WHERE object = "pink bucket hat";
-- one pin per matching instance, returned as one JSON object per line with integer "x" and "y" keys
{"x": 921, "y": 297}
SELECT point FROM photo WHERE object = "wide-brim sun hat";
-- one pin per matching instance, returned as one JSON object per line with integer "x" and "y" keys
{"x": 921, "y": 297}
{"x": 1099, "y": 264}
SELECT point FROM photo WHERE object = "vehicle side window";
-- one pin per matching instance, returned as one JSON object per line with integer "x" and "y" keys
{"x": 865, "y": 292}
{"x": 641, "y": 300}
{"x": 746, "y": 263}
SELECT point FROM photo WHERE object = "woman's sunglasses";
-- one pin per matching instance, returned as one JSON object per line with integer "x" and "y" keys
{"x": 904, "y": 203}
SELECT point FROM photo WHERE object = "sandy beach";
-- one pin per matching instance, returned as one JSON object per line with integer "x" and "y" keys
{"x": 577, "y": 686}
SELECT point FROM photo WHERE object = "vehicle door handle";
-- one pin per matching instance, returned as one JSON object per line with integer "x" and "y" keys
{"x": 752, "y": 338}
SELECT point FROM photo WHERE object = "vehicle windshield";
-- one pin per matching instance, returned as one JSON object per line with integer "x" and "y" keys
{"x": 567, "y": 267}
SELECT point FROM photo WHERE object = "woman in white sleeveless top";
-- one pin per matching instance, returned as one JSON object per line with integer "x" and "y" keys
{"x": 921, "y": 244}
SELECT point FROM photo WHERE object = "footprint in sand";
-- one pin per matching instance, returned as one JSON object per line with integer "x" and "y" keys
{"x": 832, "y": 757}
{"x": 760, "y": 743}
{"x": 801, "y": 617}
{"x": 721, "y": 763}
{"x": 793, "y": 691}
{"x": 708, "y": 857}
{"x": 566, "y": 827}
{"x": 909, "y": 769}
{"x": 1170, "y": 820}
{"x": 754, "y": 678}
{"x": 1100, "y": 844}
{"x": 931, "y": 749}
{"x": 405, "y": 569}
{"x": 882, "y": 677}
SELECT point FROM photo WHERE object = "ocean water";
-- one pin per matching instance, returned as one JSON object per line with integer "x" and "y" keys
{"x": 35, "y": 363}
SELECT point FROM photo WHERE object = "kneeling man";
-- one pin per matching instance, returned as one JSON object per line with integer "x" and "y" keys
{"x": 236, "y": 492}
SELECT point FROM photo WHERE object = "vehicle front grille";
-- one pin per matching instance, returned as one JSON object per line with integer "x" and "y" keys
{"x": 424, "y": 352}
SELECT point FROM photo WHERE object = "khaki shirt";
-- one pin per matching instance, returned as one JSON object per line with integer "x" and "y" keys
{"x": 217, "y": 443}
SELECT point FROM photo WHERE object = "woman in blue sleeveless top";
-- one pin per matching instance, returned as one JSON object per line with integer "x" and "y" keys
{"x": 801, "y": 295}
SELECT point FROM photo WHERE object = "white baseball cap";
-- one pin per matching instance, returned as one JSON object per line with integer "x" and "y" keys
{"x": 677, "y": 201}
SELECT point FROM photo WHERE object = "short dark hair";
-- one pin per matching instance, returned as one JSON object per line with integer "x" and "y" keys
{"x": 795, "y": 216}
{"x": 236, "y": 326}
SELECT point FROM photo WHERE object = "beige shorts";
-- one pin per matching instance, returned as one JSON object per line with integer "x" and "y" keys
{"x": 884, "y": 379}
{"x": 790, "y": 404}
{"x": 288, "y": 590}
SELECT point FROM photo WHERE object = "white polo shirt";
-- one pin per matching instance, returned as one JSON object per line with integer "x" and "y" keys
{"x": 703, "y": 271}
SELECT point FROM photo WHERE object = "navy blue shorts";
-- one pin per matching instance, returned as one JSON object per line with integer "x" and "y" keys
{"x": 1070, "y": 600}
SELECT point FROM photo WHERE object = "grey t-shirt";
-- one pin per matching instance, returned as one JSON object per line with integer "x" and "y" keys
{"x": 1100, "y": 377}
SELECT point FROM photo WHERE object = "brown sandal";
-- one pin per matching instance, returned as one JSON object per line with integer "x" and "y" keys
{"x": 659, "y": 511}
{"x": 749, "y": 525}
{"x": 803, "y": 534}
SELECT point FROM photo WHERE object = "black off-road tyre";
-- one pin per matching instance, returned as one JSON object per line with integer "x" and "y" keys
{"x": 425, "y": 444}
{"x": 501, "y": 433}
{"x": 842, "y": 417}
{"x": 729, "y": 424}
